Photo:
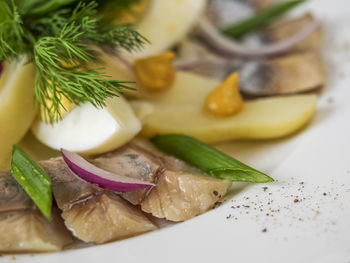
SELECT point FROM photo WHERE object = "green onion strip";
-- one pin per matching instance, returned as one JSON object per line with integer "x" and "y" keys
{"x": 33, "y": 179}
{"x": 260, "y": 19}
{"x": 208, "y": 159}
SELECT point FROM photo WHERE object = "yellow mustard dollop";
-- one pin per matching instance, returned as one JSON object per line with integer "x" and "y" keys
{"x": 157, "y": 72}
{"x": 225, "y": 100}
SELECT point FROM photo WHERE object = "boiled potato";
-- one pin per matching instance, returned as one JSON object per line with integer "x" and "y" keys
{"x": 188, "y": 89}
{"x": 17, "y": 111}
{"x": 165, "y": 23}
{"x": 180, "y": 110}
{"x": 260, "y": 119}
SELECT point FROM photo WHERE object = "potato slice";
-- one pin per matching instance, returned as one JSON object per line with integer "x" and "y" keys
{"x": 261, "y": 119}
{"x": 17, "y": 111}
{"x": 179, "y": 111}
{"x": 188, "y": 89}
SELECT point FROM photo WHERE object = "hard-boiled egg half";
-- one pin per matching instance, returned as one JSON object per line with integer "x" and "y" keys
{"x": 90, "y": 130}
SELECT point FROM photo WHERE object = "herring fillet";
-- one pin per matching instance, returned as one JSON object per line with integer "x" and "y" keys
{"x": 91, "y": 213}
{"x": 134, "y": 162}
{"x": 22, "y": 226}
{"x": 12, "y": 195}
{"x": 96, "y": 215}
{"x": 286, "y": 28}
{"x": 106, "y": 217}
{"x": 181, "y": 192}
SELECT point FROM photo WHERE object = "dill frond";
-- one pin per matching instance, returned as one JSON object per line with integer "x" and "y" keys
{"x": 60, "y": 37}
{"x": 11, "y": 31}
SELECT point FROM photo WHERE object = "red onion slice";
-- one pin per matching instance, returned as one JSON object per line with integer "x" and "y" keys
{"x": 230, "y": 48}
{"x": 100, "y": 177}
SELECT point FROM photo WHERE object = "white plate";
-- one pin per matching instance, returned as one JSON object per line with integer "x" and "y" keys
{"x": 314, "y": 229}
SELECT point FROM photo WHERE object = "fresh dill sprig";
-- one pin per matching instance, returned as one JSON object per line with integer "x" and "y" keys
{"x": 62, "y": 38}
{"x": 11, "y": 31}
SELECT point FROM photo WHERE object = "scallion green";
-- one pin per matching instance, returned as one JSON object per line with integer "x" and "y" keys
{"x": 260, "y": 19}
{"x": 208, "y": 159}
{"x": 33, "y": 179}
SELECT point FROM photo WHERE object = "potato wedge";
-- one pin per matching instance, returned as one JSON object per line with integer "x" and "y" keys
{"x": 166, "y": 23}
{"x": 17, "y": 111}
{"x": 261, "y": 119}
{"x": 181, "y": 111}
{"x": 188, "y": 89}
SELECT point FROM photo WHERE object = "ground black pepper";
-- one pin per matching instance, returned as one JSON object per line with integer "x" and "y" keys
{"x": 263, "y": 209}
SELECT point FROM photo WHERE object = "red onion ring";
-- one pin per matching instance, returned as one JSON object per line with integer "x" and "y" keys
{"x": 104, "y": 179}
{"x": 230, "y": 48}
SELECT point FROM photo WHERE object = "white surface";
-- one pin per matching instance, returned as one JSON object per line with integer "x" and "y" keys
{"x": 315, "y": 229}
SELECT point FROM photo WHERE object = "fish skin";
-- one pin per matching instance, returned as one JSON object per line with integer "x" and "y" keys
{"x": 12, "y": 195}
{"x": 289, "y": 74}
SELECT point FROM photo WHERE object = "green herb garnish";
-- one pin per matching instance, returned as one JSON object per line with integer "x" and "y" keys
{"x": 208, "y": 159}
{"x": 260, "y": 19}
{"x": 33, "y": 179}
{"x": 60, "y": 37}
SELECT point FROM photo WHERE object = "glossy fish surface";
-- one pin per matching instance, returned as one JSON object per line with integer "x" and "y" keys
{"x": 181, "y": 191}
{"x": 91, "y": 213}
{"x": 106, "y": 217}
